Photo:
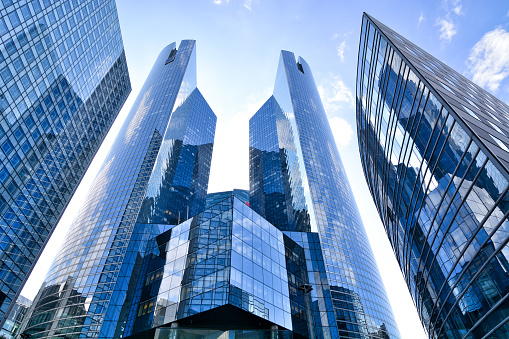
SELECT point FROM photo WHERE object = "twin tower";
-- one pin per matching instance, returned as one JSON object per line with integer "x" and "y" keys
{"x": 150, "y": 255}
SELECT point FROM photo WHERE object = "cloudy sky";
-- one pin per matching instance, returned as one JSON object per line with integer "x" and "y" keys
{"x": 238, "y": 46}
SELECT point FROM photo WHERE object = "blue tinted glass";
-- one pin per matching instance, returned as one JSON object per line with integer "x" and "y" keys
{"x": 61, "y": 154}
{"x": 443, "y": 201}
{"x": 3, "y": 27}
{"x": 14, "y": 18}
{"x": 25, "y": 11}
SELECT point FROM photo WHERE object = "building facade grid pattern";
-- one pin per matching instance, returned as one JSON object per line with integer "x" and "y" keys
{"x": 86, "y": 288}
{"x": 360, "y": 303}
{"x": 63, "y": 80}
{"x": 446, "y": 217}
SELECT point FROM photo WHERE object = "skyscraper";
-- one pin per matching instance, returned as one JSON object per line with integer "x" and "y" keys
{"x": 434, "y": 149}
{"x": 63, "y": 80}
{"x": 155, "y": 175}
{"x": 228, "y": 272}
{"x": 297, "y": 182}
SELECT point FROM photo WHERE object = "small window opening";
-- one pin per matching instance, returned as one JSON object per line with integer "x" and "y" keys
{"x": 299, "y": 66}
{"x": 171, "y": 57}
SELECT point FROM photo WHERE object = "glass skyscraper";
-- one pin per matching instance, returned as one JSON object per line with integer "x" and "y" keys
{"x": 298, "y": 183}
{"x": 63, "y": 80}
{"x": 155, "y": 175}
{"x": 435, "y": 152}
{"x": 228, "y": 272}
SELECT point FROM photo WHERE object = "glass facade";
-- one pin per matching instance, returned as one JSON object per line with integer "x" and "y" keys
{"x": 63, "y": 80}
{"x": 434, "y": 149}
{"x": 14, "y": 319}
{"x": 214, "y": 198}
{"x": 229, "y": 268}
{"x": 156, "y": 173}
{"x": 209, "y": 269}
{"x": 298, "y": 183}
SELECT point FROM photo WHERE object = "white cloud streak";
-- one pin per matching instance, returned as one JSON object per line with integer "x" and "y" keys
{"x": 458, "y": 9}
{"x": 488, "y": 62}
{"x": 221, "y": 2}
{"x": 341, "y": 50}
{"x": 336, "y": 96}
{"x": 447, "y": 29}
{"x": 248, "y": 4}
{"x": 421, "y": 19}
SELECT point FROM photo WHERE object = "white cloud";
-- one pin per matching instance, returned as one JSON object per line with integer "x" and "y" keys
{"x": 343, "y": 45}
{"x": 458, "y": 9}
{"x": 421, "y": 18}
{"x": 248, "y": 4}
{"x": 447, "y": 29}
{"x": 230, "y": 159}
{"x": 341, "y": 130}
{"x": 221, "y": 2}
{"x": 336, "y": 95}
{"x": 341, "y": 50}
{"x": 488, "y": 62}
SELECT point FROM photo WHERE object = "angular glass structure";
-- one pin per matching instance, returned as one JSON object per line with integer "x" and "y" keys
{"x": 298, "y": 183}
{"x": 214, "y": 198}
{"x": 434, "y": 149}
{"x": 155, "y": 174}
{"x": 227, "y": 268}
{"x": 14, "y": 319}
{"x": 63, "y": 80}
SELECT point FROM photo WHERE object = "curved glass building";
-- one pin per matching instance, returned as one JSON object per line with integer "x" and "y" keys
{"x": 155, "y": 175}
{"x": 63, "y": 80}
{"x": 434, "y": 149}
{"x": 298, "y": 183}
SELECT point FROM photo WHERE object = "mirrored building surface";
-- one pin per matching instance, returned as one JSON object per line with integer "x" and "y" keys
{"x": 63, "y": 80}
{"x": 155, "y": 174}
{"x": 298, "y": 183}
{"x": 228, "y": 269}
{"x": 15, "y": 318}
{"x": 216, "y": 197}
{"x": 434, "y": 149}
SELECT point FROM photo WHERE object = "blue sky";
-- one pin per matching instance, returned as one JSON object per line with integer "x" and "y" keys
{"x": 238, "y": 46}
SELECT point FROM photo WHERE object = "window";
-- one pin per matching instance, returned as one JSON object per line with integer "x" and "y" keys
{"x": 18, "y": 64}
{"x": 14, "y": 90}
{"x": 299, "y": 66}
{"x": 3, "y": 27}
{"x": 171, "y": 57}
{"x": 25, "y": 11}
{"x": 22, "y": 39}
{"x": 14, "y": 18}
{"x": 6, "y": 74}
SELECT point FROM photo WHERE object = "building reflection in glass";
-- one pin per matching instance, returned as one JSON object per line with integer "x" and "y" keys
{"x": 434, "y": 152}
{"x": 298, "y": 183}
{"x": 63, "y": 80}
{"x": 156, "y": 172}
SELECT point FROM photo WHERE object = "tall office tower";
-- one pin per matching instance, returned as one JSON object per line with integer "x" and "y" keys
{"x": 434, "y": 149}
{"x": 63, "y": 80}
{"x": 297, "y": 182}
{"x": 156, "y": 174}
